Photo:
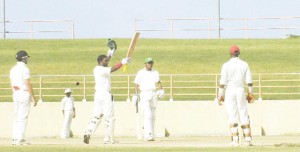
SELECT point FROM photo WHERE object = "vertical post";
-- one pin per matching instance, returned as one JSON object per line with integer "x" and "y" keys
{"x": 216, "y": 93}
{"x": 128, "y": 89}
{"x": 84, "y": 89}
{"x": 246, "y": 28}
{"x": 171, "y": 88}
{"x": 73, "y": 30}
{"x": 259, "y": 88}
{"x": 40, "y": 90}
{"x": 31, "y": 29}
{"x": 216, "y": 85}
{"x": 283, "y": 27}
{"x": 4, "y": 21}
{"x": 219, "y": 19}
{"x": 208, "y": 28}
{"x": 172, "y": 29}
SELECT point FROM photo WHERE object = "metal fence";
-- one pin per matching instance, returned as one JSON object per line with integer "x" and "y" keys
{"x": 35, "y": 26}
{"x": 210, "y": 25}
{"x": 180, "y": 87}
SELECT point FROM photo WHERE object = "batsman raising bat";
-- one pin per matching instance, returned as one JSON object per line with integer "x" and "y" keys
{"x": 103, "y": 99}
{"x": 131, "y": 48}
{"x": 234, "y": 73}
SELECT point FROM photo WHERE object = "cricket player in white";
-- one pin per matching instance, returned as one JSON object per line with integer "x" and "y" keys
{"x": 68, "y": 110}
{"x": 234, "y": 73}
{"x": 22, "y": 95}
{"x": 147, "y": 79}
{"x": 103, "y": 99}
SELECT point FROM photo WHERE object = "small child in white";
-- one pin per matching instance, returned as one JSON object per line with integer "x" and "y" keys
{"x": 68, "y": 110}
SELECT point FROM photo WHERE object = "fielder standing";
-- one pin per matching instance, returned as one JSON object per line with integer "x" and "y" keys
{"x": 147, "y": 79}
{"x": 68, "y": 110}
{"x": 103, "y": 99}
{"x": 22, "y": 95}
{"x": 234, "y": 73}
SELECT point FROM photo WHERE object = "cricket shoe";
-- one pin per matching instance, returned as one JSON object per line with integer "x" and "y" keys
{"x": 248, "y": 143}
{"x": 234, "y": 143}
{"x": 20, "y": 142}
{"x": 71, "y": 134}
{"x": 86, "y": 139}
{"x": 109, "y": 140}
{"x": 150, "y": 139}
{"x": 14, "y": 141}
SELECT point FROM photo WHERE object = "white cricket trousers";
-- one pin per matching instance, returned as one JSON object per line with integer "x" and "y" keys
{"x": 68, "y": 116}
{"x": 21, "y": 111}
{"x": 148, "y": 107}
{"x": 236, "y": 105}
{"x": 103, "y": 107}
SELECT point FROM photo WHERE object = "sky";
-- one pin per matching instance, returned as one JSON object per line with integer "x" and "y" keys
{"x": 115, "y": 18}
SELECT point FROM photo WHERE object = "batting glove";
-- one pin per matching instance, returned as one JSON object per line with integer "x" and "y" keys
{"x": 161, "y": 94}
{"x": 112, "y": 44}
{"x": 135, "y": 99}
{"x": 126, "y": 61}
{"x": 110, "y": 53}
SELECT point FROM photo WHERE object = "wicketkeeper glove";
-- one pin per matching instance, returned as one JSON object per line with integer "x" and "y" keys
{"x": 161, "y": 94}
{"x": 221, "y": 95}
{"x": 135, "y": 99}
{"x": 250, "y": 98}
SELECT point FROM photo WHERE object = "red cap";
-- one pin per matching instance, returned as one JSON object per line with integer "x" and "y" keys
{"x": 234, "y": 48}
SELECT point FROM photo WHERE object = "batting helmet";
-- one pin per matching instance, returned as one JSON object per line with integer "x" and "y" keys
{"x": 21, "y": 55}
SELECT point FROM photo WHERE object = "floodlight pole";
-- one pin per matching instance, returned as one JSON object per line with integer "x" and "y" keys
{"x": 219, "y": 19}
{"x": 4, "y": 21}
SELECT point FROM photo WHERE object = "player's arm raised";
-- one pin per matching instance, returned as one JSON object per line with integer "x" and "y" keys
{"x": 120, "y": 64}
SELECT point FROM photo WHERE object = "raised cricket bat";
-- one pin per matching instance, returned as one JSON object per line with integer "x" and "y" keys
{"x": 131, "y": 48}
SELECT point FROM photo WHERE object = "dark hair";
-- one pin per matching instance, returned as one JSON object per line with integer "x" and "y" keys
{"x": 236, "y": 54}
{"x": 100, "y": 58}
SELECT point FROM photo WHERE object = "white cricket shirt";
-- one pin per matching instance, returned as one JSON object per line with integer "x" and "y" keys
{"x": 18, "y": 74}
{"x": 102, "y": 78}
{"x": 67, "y": 103}
{"x": 147, "y": 79}
{"x": 235, "y": 72}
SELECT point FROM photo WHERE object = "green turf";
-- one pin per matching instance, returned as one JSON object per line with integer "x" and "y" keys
{"x": 53, "y": 148}
{"x": 170, "y": 56}
{"x": 58, "y": 57}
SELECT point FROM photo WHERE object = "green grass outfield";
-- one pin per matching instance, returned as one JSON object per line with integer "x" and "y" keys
{"x": 170, "y": 56}
{"x": 78, "y": 57}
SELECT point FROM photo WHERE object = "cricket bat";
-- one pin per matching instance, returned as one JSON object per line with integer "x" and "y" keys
{"x": 138, "y": 127}
{"x": 131, "y": 48}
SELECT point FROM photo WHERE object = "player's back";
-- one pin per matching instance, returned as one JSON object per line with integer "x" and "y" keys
{"x": 235, "y": 72}
{"x": 18, "y": 74}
